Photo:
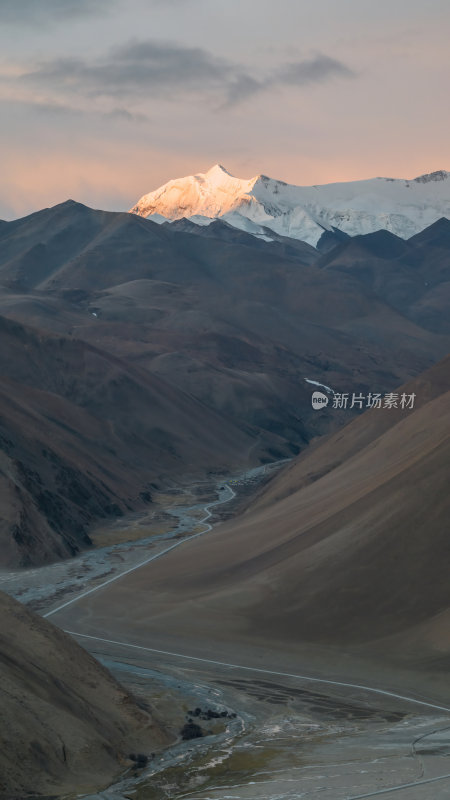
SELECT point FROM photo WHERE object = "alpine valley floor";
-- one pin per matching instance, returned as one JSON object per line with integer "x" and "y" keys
{"x": 359, "y": 709}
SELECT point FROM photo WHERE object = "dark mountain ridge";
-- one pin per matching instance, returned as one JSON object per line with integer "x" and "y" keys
{"x": 215, "y": 331}
{"x": 86, "y": 436}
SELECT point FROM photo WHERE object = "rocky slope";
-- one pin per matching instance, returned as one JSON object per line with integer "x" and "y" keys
{"x": 66, "y": 724}
{"x": 84, "y": 435}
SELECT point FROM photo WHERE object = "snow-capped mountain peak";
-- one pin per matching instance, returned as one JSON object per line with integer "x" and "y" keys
{"x": 439, "y": 175}
{"x": 403, "y": 207}
{"x": 210, "y": 194}
{"x": 217, "y": 172}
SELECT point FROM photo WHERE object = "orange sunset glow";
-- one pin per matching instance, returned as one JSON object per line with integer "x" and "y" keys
{"x": 99, "y": 108}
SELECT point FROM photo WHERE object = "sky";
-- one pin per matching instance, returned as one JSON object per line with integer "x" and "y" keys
{"x": 105, "y": 100}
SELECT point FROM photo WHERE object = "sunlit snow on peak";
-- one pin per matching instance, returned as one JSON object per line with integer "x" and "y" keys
{"x": 403, "y": 207}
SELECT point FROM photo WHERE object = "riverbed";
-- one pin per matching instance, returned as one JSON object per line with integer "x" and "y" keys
{"x": 287, "y": 740}
{"x": 178, "y": 513}
{"x": 267, "y": 737}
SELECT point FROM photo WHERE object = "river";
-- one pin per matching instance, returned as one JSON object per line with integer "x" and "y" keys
{"x": 279, "y": 738}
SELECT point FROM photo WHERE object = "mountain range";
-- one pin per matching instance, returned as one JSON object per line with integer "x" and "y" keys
{"x": 136, "y": 354}
{"x": 140, "y": 353}
{"x": 266, "y": 207}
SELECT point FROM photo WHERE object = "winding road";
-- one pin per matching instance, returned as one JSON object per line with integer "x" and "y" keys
{"x": 208, "y": 527}
{"x": 260, "y": 670}
{"x": 256, "y": 670}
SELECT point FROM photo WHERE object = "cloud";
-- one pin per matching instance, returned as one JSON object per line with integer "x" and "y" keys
{"x": 319, "y": 69}
{"x": 124, "y": 114}
{"x": 28, "y": 12}
{"x": 134, "y": 70}
{"x": 37, "y": 110}
{"x": 313, "y": 70}
{"x": 171, "y": 2}
{"x": 243, "y": 87}
{"x": 140, "y": 70}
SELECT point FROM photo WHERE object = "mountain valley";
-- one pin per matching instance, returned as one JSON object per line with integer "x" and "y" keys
{"x": 146, "y": 353}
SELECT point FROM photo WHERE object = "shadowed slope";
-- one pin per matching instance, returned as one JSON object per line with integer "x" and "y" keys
{"x": 84, "y": 435}
{"x": 348, "y": 548}
{"x": 66, "y": 723}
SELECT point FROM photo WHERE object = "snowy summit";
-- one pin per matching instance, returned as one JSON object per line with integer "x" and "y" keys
{"x": 403, "y": 207}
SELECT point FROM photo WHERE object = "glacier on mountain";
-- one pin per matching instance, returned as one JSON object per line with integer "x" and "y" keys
{"x": 403, "y": 207}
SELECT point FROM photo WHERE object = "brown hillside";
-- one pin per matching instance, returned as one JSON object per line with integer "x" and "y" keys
{"x": 348, "y": 548}
{"x": 66, "y": 724}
